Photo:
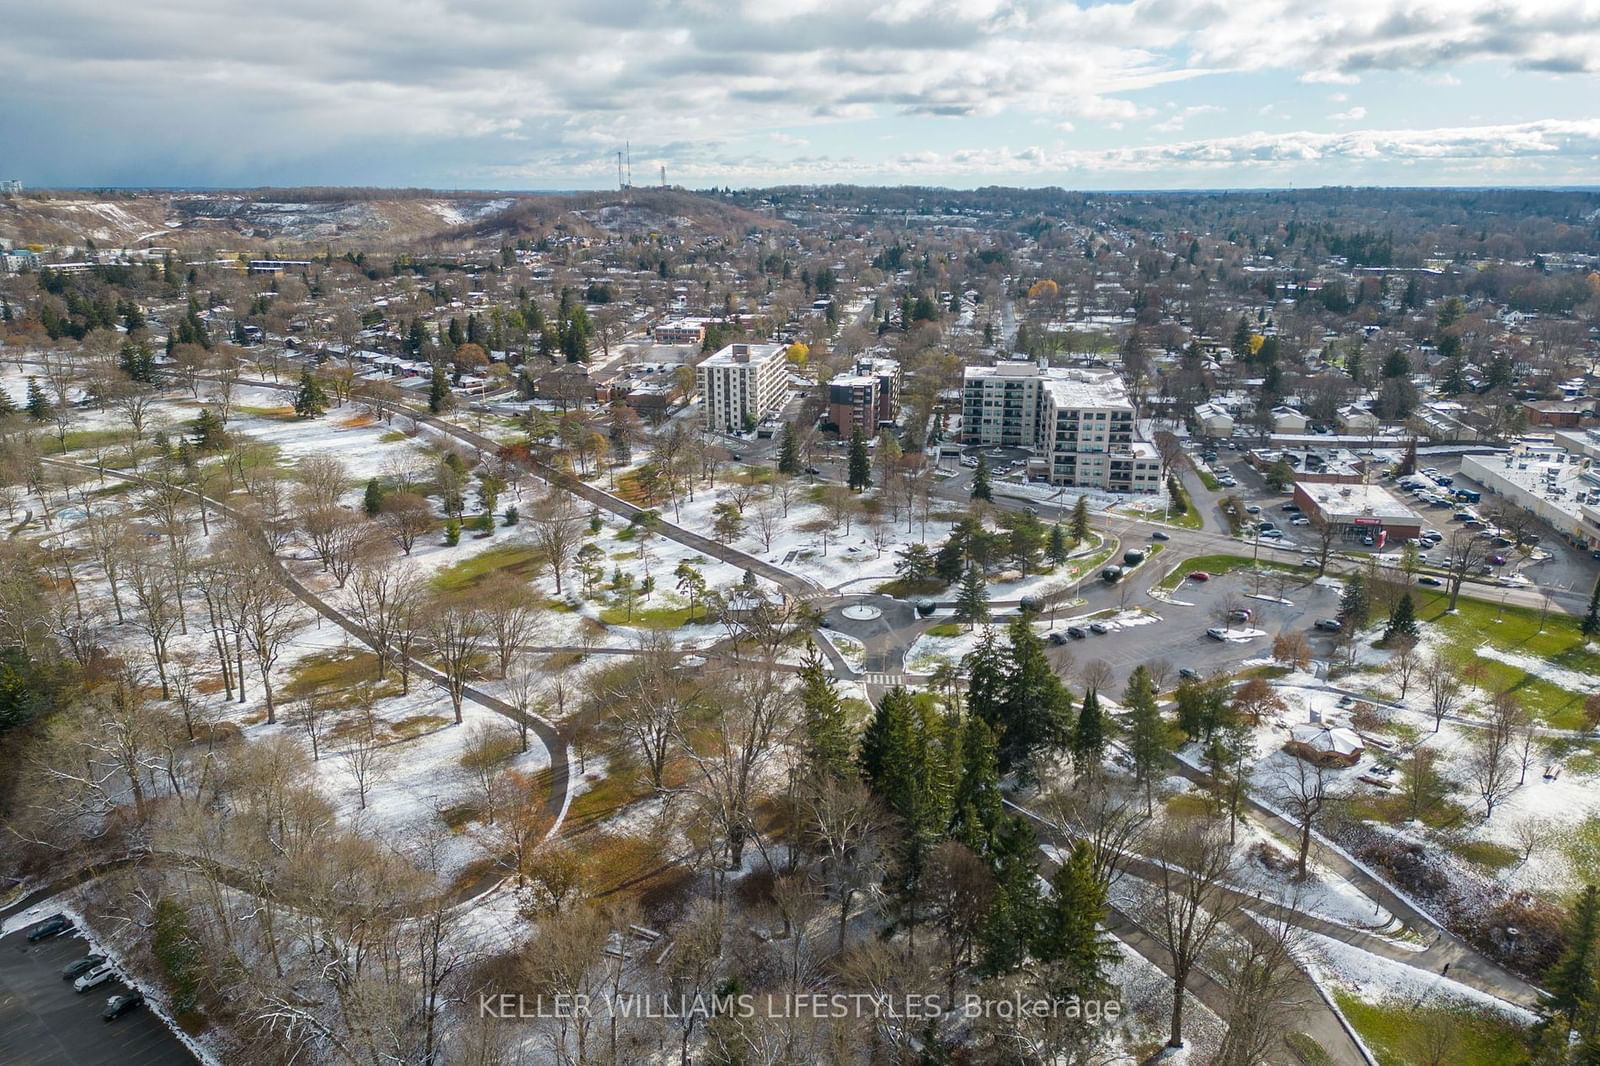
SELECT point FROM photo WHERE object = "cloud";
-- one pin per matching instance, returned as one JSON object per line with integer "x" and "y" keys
{"x": 198, "y": 91}
{"x": 1354, "y": 114}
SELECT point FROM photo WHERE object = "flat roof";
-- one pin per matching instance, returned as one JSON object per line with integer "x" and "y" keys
{"x": 1357, "y": 501}
{"x": 757, "y": 353}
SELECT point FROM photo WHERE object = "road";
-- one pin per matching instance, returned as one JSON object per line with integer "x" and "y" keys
{"x": 43, "y": 1022}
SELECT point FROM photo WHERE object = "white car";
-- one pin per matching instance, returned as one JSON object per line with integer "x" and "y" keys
{"x": 97, "y": 976}
{"x": 1299, "y": 520}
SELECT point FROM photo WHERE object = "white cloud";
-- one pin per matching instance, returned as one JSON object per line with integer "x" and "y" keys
{"x": 1354, "y": 114}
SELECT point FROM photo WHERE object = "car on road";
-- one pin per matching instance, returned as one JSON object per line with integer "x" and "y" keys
{"x": 73, "y": 970}
{"x": 1308, "y": 561}
{"x": 813, "y": 471}
{"x": 94, "y": 978}
{"x": 1253, "y": 509}
{"x": 1498, "y": 560}
{"x": 1426, "y": 579}
{"x": 1217, "y": 633}
{"x": 1272, "y": 534}
{"x": 1329, "y": 625}
{"x": 1076, "y": 633}
{"x": 117, "y": 1006}
{"x": 1159, "y": 535}
{"x": 1099, "y": 627}
{"x": 51, "y": 926}
{"x": 1199, "y": 575}
{"x": 1188, "y": 674}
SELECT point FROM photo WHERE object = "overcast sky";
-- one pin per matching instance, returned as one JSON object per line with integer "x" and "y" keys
{"x": 532, "y": 94}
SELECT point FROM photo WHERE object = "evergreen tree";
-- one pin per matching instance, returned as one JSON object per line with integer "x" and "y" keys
{"x": 977, "y": 807}
{"x": 372, "y": 499}
{"x": 1147, "y": 734}
{"x": 8, "y": 406}
{"x": 1591, "y": 618}
{"x": 1034, "y": 705}
{"x": 1057, "y": 549}
{"x": 980, "y": 480}
{"x": 137, "y": 361}
{"x": 1402, "y": 620}
{"x": 1013, "y": 915}
{"x": 1068, "y": 941}
{"x": 827, "y": 744}
{"x": 986, "y": 668}
{"x": 860, "y": 473}
{"x": 1190, "y": 698}
{"x": 949, "y": 561}
{"x": 1080, "y": 520}
{"x": 972, "y": 601}
{"x": 1570, "y": 984}
{"x": 1088, "y": 736}
{"x": 309, "y": 400}
{"x": 789, "y": 451}
{"x": 438, "y": 390}
{"x": 209, "y": 435}
{"x": 38, "y": 405}
{"x": 1354, "y": 607}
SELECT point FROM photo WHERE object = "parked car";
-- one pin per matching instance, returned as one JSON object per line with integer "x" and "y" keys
{"x": 1159, "y": 535}
{"x": 74, "y": 970}
{"x": 1299, "y": 520}
{"x": 1290, "y": 508}
{"x": 1308, "y": 561}
{"x": 1445, "y": 480}
{"x": 117, "y": 1006}
{"x": 1188, "y": 674}
{"x": 1498, "y": 560}
{"x": 1367, "y": 541}
{"x": 1272, "y": 534}
{"x": 1267, "y": 523}
{"x": 1329, "y": 625}
{"x": 1076, "y": 633}
{"x": 51, "y": 926}
{"x": 1099, "y": 627}
{"x": 1199, "y": 575}
{"x": 1057, "y": 638}
{"x": 1217, "y": 633}
{"x": 93, "y": 978}
{"x": 1252, "y": 509}
{"x": 1429, "y": 580}
{"x": 813, "y": 471}
{"x": 1240, "y": 614}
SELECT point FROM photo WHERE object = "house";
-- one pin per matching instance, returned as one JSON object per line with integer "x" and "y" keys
{"x": 1559, "y": 414}
{"x": 1356, "y": 419}
{"x": 1325, "y": 745}
{"x": 1288, "y": 420}
{"x": 1213, "y": 420}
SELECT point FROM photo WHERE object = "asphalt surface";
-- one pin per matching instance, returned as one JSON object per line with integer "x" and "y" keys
{"x": 43, "y": 1022}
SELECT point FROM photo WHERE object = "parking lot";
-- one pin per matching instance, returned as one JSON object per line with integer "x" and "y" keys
{"x": 43, "y": 1022}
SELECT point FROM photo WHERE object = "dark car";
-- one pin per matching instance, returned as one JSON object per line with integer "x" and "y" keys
{"x": 1329, "y": 625}
{"x": 1158, "y": 535}
{"x": 1292, "y": 508}
{"x": 1426, "y": 580}
{"x": 1498, "y": 560}
{"x": 1199, "y": 575}
{"x": 117, "y": 1006}
{"x": 1188, "y": 674}
{"x": 73, "y": 970}
{"x": 813, "y": 471}
{"x": 51, "y": 926}
{"x": 1076, "y": 633}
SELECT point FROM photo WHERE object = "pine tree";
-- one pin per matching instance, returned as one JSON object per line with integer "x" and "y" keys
{"x": 372, "y": 499}
{"x": 980, "y": 480}
{"x": 8, "y": 406}
{"x": 1034, "y": 706}
{"x": 1571, "y": 981}
{"x": 860, "y": 473}
{"x": 1080, "y": 520}
{"x": 986, "y": 668}
{"x": 1058, "y": 550}
{"x": 789, "y": 451}
{"x": 977, "y": 806}
{"x": 972, "y": 600}
{"x": 1354, "y": 607}
{"x": 1013, "y": 916}
{"x": 1147, "y": 740}
{"x": 827, "y": 744}
{"x": 1068, "y": 940}
{"x": 438, "y": 390}
{"x": 1402, "y": 620}
{"x": 1088, "y": 736}
{"x": 1591, "y": 618}
{"x": 309, "y": 400}
{"x": 38, "y": 406}
{"x": 209, "y": 435}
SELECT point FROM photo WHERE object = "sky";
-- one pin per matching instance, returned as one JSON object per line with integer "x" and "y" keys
{"x": 541, "y": 94}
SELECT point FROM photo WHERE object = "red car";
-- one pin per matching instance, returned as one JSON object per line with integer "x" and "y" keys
{"x": 1199, "y": 575}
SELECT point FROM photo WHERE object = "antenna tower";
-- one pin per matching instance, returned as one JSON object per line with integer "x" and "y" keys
{"x": 628, "y": 148}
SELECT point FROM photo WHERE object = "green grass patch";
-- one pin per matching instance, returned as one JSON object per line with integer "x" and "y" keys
{"x": 946, "y": 629}
{"x": 506, "y": 561}
{"x": 1189, "y": 805}
{"x": 647, "y": 617}
{"x": 1189, "y": 517}
{"x": 1217, "y": 565}
{"x": 1485, "y": 853}
{"x": 1395, "y": 810}
{"x": 1581, "y": 846}
{"x": 276, "y": 414}
{"x": 904, "y": 588}
{"x": 78, "y": 439}
{"x": 1307, "y": 1050}
{"x": 1518, "y": 630}
{"x": 1209, "y": 480}
{"x": 1400, "y": 1034}
{"x": 418, "y": 724}
{"x": 394, "y": 436}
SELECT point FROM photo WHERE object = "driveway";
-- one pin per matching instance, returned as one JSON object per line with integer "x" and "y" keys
{"x": 43, "y": 1022}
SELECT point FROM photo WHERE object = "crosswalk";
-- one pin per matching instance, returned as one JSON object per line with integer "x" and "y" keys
{"x": 885, "y": 680}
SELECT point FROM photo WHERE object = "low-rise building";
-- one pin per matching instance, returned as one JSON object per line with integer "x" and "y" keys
{"x": 1358, "y": 511}
{"x": 1288, "y": 420}
{"x": 742, "y": 384}
{"x": 1325, "y": 745}
{"x": 1558, "y": 414}
{"x": 1357, "y": 419}
{"x": 1214, "y": 420}
{"x": 1562, "y": 488}
{"x": 680, "y": 331}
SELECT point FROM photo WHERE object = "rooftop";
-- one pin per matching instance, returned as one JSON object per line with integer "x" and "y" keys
{"x": 743, "y": 354}
{"x": 1346, "y": 501}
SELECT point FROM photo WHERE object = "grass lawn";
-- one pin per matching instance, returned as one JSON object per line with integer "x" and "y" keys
{"x": 509, "y": 560}
{"x": 1215, "y": 565}
{"x": 1489, "y": 855}
{"x": 1400, "y": 1034}
{"x": 1209, "y": 480}
{"x": 947, "y": 629}
{"x": 647, "y": 617}
{"x": 904, "y": 588}
{"x": 1519, "y": 630}
{"x": 50, "y": 443}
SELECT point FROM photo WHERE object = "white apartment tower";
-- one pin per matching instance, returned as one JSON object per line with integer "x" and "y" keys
{"x": 1079, "y": 423}
{"x": 742, "y": 384}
